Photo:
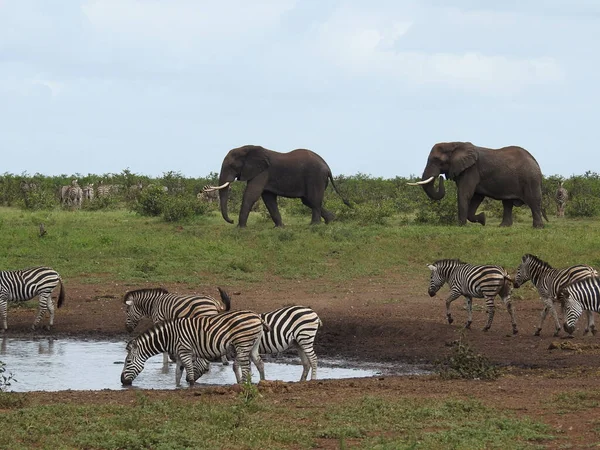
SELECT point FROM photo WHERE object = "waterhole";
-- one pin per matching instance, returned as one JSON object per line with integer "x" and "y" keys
{"x": 50, "y": 364}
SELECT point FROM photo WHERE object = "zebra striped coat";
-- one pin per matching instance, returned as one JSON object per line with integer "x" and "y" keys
{"x": 198, "y": 337}
{"x": 21, "y": 285}
{"x": 479, "y": 281}
{"x": 159, "y": 305}
{"x": 548, "y": 282}
{"x": 561, "y": 197}
{"x": 582, "y": 295}
{"x": 290, "y": 326}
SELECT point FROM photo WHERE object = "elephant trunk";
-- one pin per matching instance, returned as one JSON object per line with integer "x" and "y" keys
{"x": 429, "y": 188}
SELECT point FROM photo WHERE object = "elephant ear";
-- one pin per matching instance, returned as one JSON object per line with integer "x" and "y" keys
{"x": 463, "y": 157}
{"x": 256, "y": 161}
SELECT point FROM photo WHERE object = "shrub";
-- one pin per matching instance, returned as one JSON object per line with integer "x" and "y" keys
{"x": 465, "y": 363}
{"x": 150, "y": 201}
{"x": 175, "y": 209}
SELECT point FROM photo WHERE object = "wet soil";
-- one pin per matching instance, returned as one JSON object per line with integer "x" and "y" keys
{"x": 388, "y": 319}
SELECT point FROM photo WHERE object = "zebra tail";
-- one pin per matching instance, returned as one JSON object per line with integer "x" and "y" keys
{"x": 266, "y": 326}
{"x": 509, "y": 279}
{"x": 225, "y": 299}
{"x": 61, "y": 295}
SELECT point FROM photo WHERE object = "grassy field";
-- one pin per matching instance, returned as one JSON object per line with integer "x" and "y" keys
{"x": 93, "y": 246}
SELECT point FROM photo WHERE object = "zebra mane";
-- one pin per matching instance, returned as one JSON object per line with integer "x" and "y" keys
{"x": 158, "y": 290}
{"x": 537, "y": 260}
{"x": 447, "y": 260}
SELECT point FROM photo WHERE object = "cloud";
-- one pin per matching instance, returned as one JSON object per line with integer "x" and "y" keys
{"x": 373, "y": 46}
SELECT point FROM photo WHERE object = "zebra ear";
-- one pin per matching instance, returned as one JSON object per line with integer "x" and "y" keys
{"x": 431, "y": 267}
{"x": 129, "y": 302}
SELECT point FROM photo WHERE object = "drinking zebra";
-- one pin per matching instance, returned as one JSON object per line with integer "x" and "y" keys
{"x": 159, "y": 305}
{"x": 548, "y": 282}
{"x": 21, "y": 285}
{"x": 483, "y": 281}
{"x": 198, "y": 337}
{"x": 561, "y": 197}
{"x": 582, "y": 295}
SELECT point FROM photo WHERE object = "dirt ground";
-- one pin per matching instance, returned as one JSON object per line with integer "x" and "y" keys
{"x": 388, "y": 319}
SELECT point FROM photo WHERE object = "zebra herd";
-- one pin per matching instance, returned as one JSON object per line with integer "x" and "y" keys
{"x": 195, "y": 330}
{"x": 575, "y": 289}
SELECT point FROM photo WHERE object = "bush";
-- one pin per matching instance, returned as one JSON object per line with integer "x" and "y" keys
{"x": 150, "y": 201}
{"x": 175, "y": 209}
{"x": 465, "y": 363}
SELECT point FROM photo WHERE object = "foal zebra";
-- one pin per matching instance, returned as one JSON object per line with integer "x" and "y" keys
{"x": 21, "y": 285}
{"x": 198, "y": 337}
{"x": 561, "y": 197}
{"x": 160, "y": 305}
{"x": 577, "y": 297}
{"x": 548, "y": 282}
{"x": 472, "y": 281}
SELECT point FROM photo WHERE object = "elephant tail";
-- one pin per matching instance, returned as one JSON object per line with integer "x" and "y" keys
{"x": 346, "y": 202}
{"x": 544, "y": 214}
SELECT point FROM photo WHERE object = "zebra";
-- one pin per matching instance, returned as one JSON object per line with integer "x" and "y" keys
{"x": 106, "y": 190}
{"x": 160, "y": 305}
{"x": 548, "y": 282}
{"x": 88, "y": 192}
{"x": 71, "y": 195}
{"x": 479, "y": 281}
{"x": 579, "y": 296}
{"x": 21, "y": 285}
{"x": 291, "y": 326}
{"x": 561, "y": 197}
{"x": 208, "y": 196}
{"x": 198, "y": 337}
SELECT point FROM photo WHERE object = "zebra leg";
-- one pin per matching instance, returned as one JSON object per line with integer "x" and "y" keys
{"x": 3, "y": 311}
{"x": 491, "y": 311}
{"x": 469, "y": 303}
{"x": 511, "y": 312}
{"x": 590, "y": 323}
{"x": 453, "y": 296}
{"x": 178, "y": 371}
{"x": 224, "y": 360}
{"x": 307, "y": 347}
{"x": 166, "y": 358}
{"x": 50, "y": 306}
{"x": 543, "y": 315}
{"x": 236, "y": 371}
{"x": 41, "y": 311}
{"x": 557, "y": 326}
{"x": 242, "y": 359}
{"x": 305, "y": 362}
{"x": 257, "y": 360}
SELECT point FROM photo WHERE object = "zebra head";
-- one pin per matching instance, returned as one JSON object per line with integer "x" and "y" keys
{"x": 572, "y": 310}
{"x": 201, "y": 366}
{"x": 134, "y": 363}
{"x": 523, "y": 271}
{"x": 134, "y": 315}
{"x": 436, "y": 281}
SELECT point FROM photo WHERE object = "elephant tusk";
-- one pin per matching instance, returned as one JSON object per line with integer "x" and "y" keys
{"x": 419, "y": 183}
{"x": 216, "y": 188}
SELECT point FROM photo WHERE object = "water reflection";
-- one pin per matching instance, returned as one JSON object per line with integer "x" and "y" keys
{"x": 51, "y": 364}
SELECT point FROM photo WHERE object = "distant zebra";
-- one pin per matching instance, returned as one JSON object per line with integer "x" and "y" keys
{"x": 472, "y": 281}
{"x": 88, "y": 192}
{"x": 159, "y": 305}
{"x": 548, "y": 282}
{"x": 562, "y": 195}
{"x": 21, "y": 285}
{"x": 582, "y": 295}
{"x": 208, "y": 196}
{"x": 106, "y": 190}
{"x": 71, "y": 195}
{"x": 198, "y": 337}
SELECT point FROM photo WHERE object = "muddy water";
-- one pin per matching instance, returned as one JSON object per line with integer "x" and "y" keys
{"x": 60, "y": 364}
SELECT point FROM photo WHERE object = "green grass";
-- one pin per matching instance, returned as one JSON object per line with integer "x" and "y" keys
{"x": 92, "y": 246}
{"x": 202, "y": 422}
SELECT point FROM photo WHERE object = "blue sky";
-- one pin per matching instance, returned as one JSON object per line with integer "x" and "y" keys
{"x": 97, "y": 86}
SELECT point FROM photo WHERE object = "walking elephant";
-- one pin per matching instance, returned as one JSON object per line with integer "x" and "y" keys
{"x": 509, "y": 174}
{"x": 298, "y": 174}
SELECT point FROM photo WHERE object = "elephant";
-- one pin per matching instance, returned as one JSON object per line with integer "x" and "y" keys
{"x": 510, "y": 174}
{"x": 300, "y": 174}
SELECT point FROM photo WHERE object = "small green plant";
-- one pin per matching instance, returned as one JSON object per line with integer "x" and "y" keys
{"x": 249, "y": 392}
{"x": 151, "y": 201}
{"x": 6, "y": 379}
{"x": 465, "y": 363}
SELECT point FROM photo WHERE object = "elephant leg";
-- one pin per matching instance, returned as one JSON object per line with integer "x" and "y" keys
{"x": 316, "y": 210}
{"x": 270, "y": 200}
{"x": 254, "y": 190}
{"x": 507, "y": 215}
{"x": 465, "y": 195}
{"x": 473, "y": 205}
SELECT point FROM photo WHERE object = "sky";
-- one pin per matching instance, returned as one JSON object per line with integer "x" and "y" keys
{"x": 99, "y": 86}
